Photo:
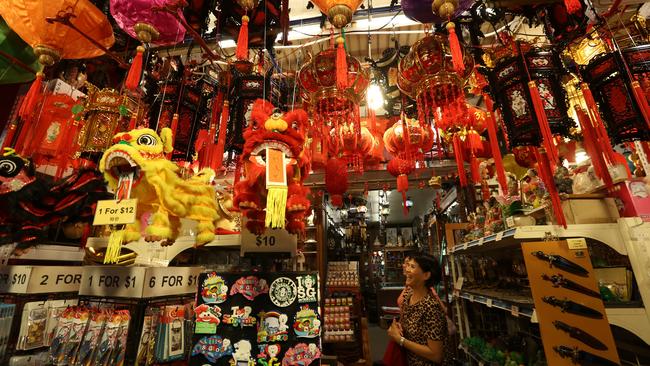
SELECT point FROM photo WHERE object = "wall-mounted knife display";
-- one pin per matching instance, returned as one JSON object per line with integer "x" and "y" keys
{"x": 571, "y": 314}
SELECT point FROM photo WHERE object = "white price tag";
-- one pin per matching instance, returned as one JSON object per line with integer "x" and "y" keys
{"x": 14, "y": 279}
{"x": 480, "y": 241}
{"x": 577, "y": 243}
{"x": 489, "y": 303}
{"x": 533, "y": 318}
{"x": 514, "y": 310}
{"x": 465, "y": 245}
{"x": 510, "y": 221}
{"x": 499, "y": 236}
{"x": 46, "y": 279}
{"x": 167, "y": 281}
{"x": 471, "y": 298}
{"x": 112, "y": 281}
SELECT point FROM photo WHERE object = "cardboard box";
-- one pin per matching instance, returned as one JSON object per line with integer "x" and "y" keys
{"x": 588, "y": 210}
{"x": 633, "y": 199}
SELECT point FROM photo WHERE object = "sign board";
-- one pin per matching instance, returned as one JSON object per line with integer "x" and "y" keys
{"x": 167, "y": 281}
{"x": 577, "y": 243}
{"x": 499, "y": 236}
{"x": 114, "y": 212}
{"x": 138, "y": 282}
{"x": 272, "y": 241}
{"x": 39, "y": 279}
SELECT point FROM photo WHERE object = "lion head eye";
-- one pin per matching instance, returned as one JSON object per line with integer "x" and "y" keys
{"x": 10, "y": 166}
{"x": 147, "y": 140}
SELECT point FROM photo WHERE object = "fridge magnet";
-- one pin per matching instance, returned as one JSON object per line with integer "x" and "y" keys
{"x": 307, "y": 289}
{"x": 307, "y": 324}
{"x": 301, "y": 355}
{"x": 213, "y": 348}
{"x": 269, "y": 355}
{"x": 250, "y": 287}
{"x": 207, "y": 319}
{"x": 242, "y": 354}
{"x": 214, "y": 289}
{"x": 240, "y": 317}
{"x": 272, "y": 327}
{"x": 283, "y": 292}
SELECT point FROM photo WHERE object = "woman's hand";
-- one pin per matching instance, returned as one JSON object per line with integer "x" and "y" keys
{"x": 395, "y": 331}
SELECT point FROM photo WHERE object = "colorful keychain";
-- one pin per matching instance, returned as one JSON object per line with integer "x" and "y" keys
{"x": 307, "y": 324}
{"x": 272, "y": 327}
{"x": 214, "y": 289}
{"x": 301, "y": 355}
{"x": 213, "y": 348}
{"x": 283, "y": 292}
{"x": 240, "y": 317}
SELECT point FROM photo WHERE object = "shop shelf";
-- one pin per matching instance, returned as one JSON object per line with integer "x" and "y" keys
{"x": 47, "y": 252}
{"x": 516, "y": 305}
{"x": 476, "y": 357}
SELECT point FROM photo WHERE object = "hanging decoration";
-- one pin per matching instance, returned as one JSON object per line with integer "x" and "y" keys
{"x": 140, "y": 154}
{"x": 142, "y": 20}
{"x": 339, "y": 12}
{"x": 407, "y": 141}
{"x": 272, "y": 193}
{"x": 241, "y": 53}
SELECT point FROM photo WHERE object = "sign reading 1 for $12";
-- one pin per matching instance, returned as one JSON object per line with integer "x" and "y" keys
{"x": 113, "y": 212}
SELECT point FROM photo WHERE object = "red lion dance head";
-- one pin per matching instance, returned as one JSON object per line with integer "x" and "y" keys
{"x": 275, "y": 166}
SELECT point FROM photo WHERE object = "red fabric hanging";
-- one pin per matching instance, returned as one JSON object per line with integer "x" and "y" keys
{"x": 572, "y": 6}
{"x": 494, "y": 144}
{"x": 600, "y": 133}
{"x": 593, "y": 148}
{"x": 336, "y": 180}
{"x": 341, "y": 65}
{"x": 221, "y": 142}
{"x": 544, "y": 170}
{"x": 31, "y": 98}
{"x": 241, "y": 52}
{"x": 135, "y": 71}
{"x": 456, "y": 51}
{"x": 460, "y": 164}
{"x": 544, "y": 126}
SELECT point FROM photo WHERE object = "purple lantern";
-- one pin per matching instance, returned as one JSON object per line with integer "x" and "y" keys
{"x": 421, "y": 10}
{"x": 142, "y": 20}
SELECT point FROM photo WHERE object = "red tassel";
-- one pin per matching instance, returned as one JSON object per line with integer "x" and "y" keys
{"x": 341, "y": 65}
{"x": 544, "y": 169}
{"x": 593, "y": 148}
{"x": 221, "y": 142}
{"x": 475, "y": 143}
{"x": 456, "y": 51}
{"x": 641, "y": 100}
{"x": 241, "y": 53}
{"x": 474, "y": 169}
{"x": 620, "y": 159}
{"x": 132, "y": 123}
{"x": 600, "y": 133}
{"x": 403, "y": 187}
{"x": 133, "y": 77}
{"x": 336, "y": 180}
{"x": 494, "y": 144}
{"x": 460, "y": 164}
{"x": 31, "y": 98}
{"x": 544, "y": 127}
{"x": 572, "y": 6}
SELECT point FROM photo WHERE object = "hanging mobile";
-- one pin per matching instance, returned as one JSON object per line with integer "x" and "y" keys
{"x": 562, "y": 263}
{"x": 569, "y": 306}
{"x": 560, "y": 281}
{"x": 581, "y": 335}
{"x": 580, "y": 357}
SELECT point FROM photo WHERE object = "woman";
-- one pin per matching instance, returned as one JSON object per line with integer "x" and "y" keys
{"x": 422, "y": 330}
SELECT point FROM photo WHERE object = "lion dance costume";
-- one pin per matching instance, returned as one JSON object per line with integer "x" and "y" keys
{"x": 275, "y": 166}
{"x": 159, "y": 189}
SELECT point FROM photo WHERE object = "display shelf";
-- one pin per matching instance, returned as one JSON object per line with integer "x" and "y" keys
{"x": 310, "y": 252}
{"x": 475, "y": 356}
{"x": 608, "y": 234}
{"x": 516, "y": 305}
{"x": 54, "y": 252}
{"x": 395, "y": 249}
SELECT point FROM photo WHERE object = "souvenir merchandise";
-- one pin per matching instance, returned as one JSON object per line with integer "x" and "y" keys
{"x": 580, "y": 335}
{"x": 307, "y": 289}
{"x": 283, "y": 292}
{"x": 269, "y": 355}
{"x": 80, "y": 321}
{"x": 582, "y": 357}
{"x": 141, "y": 151}
{"x": 91, "y": 338}
{"x": 343, "y": 274}
{"x": 110, "y": 343}
{"x": 338, "y": 326}
{"x": 560, "y": 281}
{"x": 62, "y": 334}
{"x": 562, "y": 263}
{"x": 272, "y": 327}
{"x": 242, "y": 354}
{"x": 118, "y": 356}
{"x": 250, "y": 287}
{"x": 307, "y": 324}
{"x": 33, "y": 330}
{"x": 55, "y": 309}
{"x": 6, "y": 318}
{"x": 214, "y": 289}
{"x": 208, "y": 318}
{"x": 146, "y": 336}
{"x": 170, "y": 342}
{"x": 212, "y": 348}
{"x": 240, "y": 317}
{"x": 301, "y": 355}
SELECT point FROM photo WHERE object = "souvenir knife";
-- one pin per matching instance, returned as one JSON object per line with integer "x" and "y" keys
{"x": 562, "y": 263}
{"x": 581, "y": 335}
{"x": 569, "y": 306}
{"x": 580, "y": 357}
{"x": 560, "y": 281}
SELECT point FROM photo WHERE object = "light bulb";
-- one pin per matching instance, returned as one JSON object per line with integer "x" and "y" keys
{"x": 375, "y": 97}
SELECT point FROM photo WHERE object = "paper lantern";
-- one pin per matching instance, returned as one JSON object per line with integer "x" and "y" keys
{"x": 421, "y": 10}
{"x": 339, "y": 12}
{"x": 141, "y": 20}
{"x": 54, "y": 41}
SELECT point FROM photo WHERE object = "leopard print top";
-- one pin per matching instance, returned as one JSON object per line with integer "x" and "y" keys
{"x": 422, "y": 321}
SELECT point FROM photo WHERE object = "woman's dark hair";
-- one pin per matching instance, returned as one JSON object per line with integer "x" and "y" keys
{"x": 428, "y": 264}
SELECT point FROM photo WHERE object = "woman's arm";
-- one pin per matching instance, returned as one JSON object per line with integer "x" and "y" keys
{"x": 432, "y": 351}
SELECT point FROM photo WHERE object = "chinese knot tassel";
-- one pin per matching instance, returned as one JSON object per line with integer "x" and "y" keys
{"x": 221, "y": 142}
{"x": 341, "y": 64}
{"x": 544, "y": 170}
{"x": 593, "y": 148}
{"x": 642, "y": 101}
{"x": 572, "y": 6}
{"x": 474, "y": 169}
{"x": 494, "y": 144}
{"x": 456, "y": 51}
{"x": 460, "y": 164}
{"x": 336, "y": 180}
{"x": 31, "y": 98}
{"x": 132, "y": 123}
{"x": 544, "y": 126}
{"x": 403, "y": 187}
{"x": 241, "y": 53}
{"x": 600, "y": 133}
{"x": 135, "y": 72}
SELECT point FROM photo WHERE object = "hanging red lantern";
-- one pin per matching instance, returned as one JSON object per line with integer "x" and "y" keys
{"x": 354, "y": 147}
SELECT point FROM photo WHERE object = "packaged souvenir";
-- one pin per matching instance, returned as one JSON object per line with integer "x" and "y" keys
{"x": 79, "y": 325}
{"x": 108, "y": 340}
{"x": 174, "y": 316}
{"x": 119, "y": 351}
{"x": 145, "y": 335}
{"x": 6, "y": 318}
{"x": 54, "y": 310}
{"x": 61, "y": 335}
{"x": 33, "y": 327}
{"x": 91, "y": 338}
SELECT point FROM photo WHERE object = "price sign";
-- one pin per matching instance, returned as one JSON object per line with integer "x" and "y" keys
{"x": 514, "y": 310}
{"x": 480, "y": 241}
{"x": 489, "y": 303}
{"x": 499, "y": 236}
{"x": 14, "y": 279}
{"x": 272, "y": 241}
{"x": 471, "y": 298}
{"x": 45, "y": 279}
{"x": 167, "y": 281}
{"x": 510, "y": 221}
{"x": 113, "y": 212}
{"x": 465, "y": 245}
{"x": 112, "y": 281}
{"x": 577, "y": 243}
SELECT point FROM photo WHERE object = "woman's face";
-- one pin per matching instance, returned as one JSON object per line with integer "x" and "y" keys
{"x": 405, "y": 265}
{"x": 415, "y": 277}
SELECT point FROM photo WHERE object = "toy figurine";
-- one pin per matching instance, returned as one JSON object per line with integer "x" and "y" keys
{"x": 563, "y": 181}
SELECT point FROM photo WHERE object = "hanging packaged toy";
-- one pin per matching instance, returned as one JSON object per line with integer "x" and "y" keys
{"x": 91, "y": 338}
{"x": 79, "y": 324}
{"x": 119, "y": 351}
{"x": 175, "y": 318}
{"x": 108, "y": 340}
{"x": 33, "y": 326}
{"x": 55, "y": 310}
{"x": 6, "y": 318}
{"x": 62, "y": 334}
{"x": 145, "y": 336}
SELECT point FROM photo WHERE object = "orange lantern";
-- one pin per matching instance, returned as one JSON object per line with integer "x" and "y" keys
{"x": 54, "y": 41}
{"x": 339, "y": 12}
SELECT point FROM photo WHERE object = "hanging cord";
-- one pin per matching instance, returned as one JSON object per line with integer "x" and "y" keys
{"x": 162, "y": 101}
